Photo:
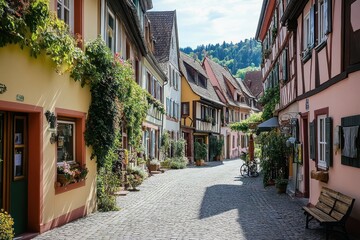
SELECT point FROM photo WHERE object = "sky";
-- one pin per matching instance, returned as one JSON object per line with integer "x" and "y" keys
{"x": 212, "y": 21}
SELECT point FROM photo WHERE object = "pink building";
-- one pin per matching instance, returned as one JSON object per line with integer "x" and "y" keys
{"x": 311, "y": 50}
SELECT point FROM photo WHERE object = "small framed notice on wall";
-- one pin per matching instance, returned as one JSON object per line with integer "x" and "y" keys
{"x": 18, "y": 138}
{"x": 18, "y": 164}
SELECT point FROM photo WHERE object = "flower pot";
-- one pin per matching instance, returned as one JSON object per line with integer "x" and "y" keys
{"x": 281, "y": 188}
{"x": 153, "y": 167}
{"x": 63, "y": 179}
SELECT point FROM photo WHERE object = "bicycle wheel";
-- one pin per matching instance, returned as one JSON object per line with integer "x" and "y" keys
{"x": 244, "y": 169}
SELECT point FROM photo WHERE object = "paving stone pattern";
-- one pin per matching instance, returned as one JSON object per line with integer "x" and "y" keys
{"x": 210, "y": 202}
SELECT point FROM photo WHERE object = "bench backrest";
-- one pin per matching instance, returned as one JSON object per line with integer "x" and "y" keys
{"x": 335, "y": 204}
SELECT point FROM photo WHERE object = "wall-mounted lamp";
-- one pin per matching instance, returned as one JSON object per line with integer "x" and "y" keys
{"x": 51, "y": 118}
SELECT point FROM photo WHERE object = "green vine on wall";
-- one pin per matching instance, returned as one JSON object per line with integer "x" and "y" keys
{"x": 116, "y": 97}
{"x": 269, "y": 101}
{"x": 245, "y": 125}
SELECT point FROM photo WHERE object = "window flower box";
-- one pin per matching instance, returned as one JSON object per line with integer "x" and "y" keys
{"x": 68, "y": 174}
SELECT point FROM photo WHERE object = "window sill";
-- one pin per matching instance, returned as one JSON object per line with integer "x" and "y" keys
{"x": 171, "y": 119}
{"x": 72, "y": 186}
{"x": 321, "y": 45}
{"x": 306, "y": 56}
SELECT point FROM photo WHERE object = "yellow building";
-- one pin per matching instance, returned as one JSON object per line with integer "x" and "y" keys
{"x": 31, "y": 149}
{"x": 200, "y": 106}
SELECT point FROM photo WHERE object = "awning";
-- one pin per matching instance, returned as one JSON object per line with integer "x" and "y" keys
{"x": 268, "y": 125}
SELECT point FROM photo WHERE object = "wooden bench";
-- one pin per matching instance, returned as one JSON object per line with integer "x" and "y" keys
{"x": 333, "y": 209}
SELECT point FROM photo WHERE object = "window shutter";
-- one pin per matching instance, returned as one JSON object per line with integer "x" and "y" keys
{"x": 167, "y": 106}
{"x": 312, "y": 140}
{"x": 170, "y": 75}
{"x": 327, "y": 16}
{"x": 152, "y": 144}
{"x": 312, "y": 27}
{"x": 285, "y": 75}
{"x": 328, "y": 138}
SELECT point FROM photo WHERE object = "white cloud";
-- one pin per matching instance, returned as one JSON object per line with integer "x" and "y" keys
{"x": 213, "y": 21}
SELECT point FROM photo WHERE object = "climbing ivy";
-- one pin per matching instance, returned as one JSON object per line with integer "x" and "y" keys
{"x": 247, "y": 124}
{"x": 269, "y": 101}
{"x": 115, "y": 96}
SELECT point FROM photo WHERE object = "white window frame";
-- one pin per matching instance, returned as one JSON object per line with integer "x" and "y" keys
{"x": 321, "y": 21}
{"x": 307, "y": 29}
{"x": 321, "y": 141}
{"x": 112, "y": 31}
{"x": 73, "y": 123}
{"x": 118, "y": 37}
{"x": 71, "y": 13}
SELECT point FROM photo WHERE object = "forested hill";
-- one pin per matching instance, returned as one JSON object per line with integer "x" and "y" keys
{"x": 236, "y": 56}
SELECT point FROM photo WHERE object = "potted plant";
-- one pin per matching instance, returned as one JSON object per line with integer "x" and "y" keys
{"x": 6, "y": 226}
{"x": 154, "y": 165}
{"x": 281, "y": 184}
{"x": 200, "y": 153}
{"x": 81, "y": 173}
{"x": 219, "y": 148}
{"x": 65, "y": 175}
{"x": 274, "y": 163}
{"x": 135, "y": 176}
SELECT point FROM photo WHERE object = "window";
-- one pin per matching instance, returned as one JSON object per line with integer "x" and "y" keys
{"x": 173, "y": 78}
{"x": 351, "y": 35}
{"x": 285, "y": 65}
{"x": 66, "y": 141}
{"x": 321, "y": 143}
{"x": 167, "y": 106}
{"x": 185, "y": 109}
{"x": 65, "y": 12}
{"x": 110, "y": 30}
{"x": 175, "y": 110}
{"x": 153, "y": 85}
{"x": 308, "y": 27}
{"x": 202, "y": 81}
{"x": 324, "y": 19}
{"x": 321, "y": 139}
{"x": 148, "y": 80}
{"x": 170, "y": 76}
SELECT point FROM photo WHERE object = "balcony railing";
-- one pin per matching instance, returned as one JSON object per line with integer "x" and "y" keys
{"x": 201, "y": 125}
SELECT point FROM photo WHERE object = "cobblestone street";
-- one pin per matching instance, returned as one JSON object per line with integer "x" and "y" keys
{"x": 211, "y": 202}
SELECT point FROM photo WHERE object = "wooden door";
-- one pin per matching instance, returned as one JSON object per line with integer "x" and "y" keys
{"x": 13, "y": 168}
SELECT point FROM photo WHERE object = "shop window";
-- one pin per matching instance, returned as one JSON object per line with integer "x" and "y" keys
{"x": 66, "y": 141}
{"x": 70, "y": 149}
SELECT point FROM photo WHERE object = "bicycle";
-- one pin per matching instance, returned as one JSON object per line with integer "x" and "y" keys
{"x": 249, "y": 168}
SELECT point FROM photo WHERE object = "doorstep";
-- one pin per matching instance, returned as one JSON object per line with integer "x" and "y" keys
{"x": 26, "y": 236}
{"x": 121, "y": 193}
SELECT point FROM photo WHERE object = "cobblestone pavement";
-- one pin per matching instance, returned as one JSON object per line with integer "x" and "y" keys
{"x": 211, "y": 202}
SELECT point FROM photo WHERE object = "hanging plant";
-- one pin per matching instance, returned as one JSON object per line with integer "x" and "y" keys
{"x": 269, "y": 100}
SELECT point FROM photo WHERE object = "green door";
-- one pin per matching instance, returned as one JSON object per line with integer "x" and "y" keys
{"x": 18, "y": 181}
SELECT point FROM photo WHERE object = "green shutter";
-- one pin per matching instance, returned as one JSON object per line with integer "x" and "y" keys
{"x": 285, "y": 69}
{"x": 327, "y": 16}
{"x": 328, "y": 137}
{"x": 312, "y": 140}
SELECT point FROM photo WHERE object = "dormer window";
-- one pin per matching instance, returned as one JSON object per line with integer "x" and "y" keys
{"x": 202, "y": 81}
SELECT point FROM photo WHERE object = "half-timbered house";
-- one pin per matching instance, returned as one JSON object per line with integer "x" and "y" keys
{"x": 316, "y": 59}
